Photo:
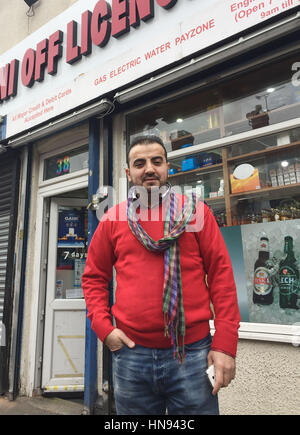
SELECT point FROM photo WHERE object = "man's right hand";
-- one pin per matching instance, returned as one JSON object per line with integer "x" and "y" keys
{"x": 117, "y": 339}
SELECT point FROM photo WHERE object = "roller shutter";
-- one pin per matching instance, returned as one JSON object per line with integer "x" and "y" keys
{"x": 5, "y": 199}
{"x": 9, "y": 180}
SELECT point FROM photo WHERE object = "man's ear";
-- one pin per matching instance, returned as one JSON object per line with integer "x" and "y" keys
{"x": 127, "y": 171}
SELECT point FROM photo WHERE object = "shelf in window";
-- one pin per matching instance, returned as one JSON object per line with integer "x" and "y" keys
{"x": 286, "y": 187}
{"x": 187, "y": 136}
{"x": 208, "y": 168}
{"x": 179, "y": 142}
{"x": 270, "y": 112}
{"x": 238, "y": 121}
{"x": 277, "y": 148}
{"x": 215, "y": 199}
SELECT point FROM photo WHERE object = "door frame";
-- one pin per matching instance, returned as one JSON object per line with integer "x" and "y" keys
{"x": 52, "y": 304}
{"x": 37, "y": 318}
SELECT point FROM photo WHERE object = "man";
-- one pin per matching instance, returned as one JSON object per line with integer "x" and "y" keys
{"x": 167, "y": 276}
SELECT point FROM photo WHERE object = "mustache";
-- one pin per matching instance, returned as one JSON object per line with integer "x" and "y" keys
{"x": 150, "y": 177}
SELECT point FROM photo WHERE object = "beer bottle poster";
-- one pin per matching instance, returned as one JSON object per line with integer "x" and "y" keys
{"x": 271, "y": 254}
{"x": 71, "y": 229}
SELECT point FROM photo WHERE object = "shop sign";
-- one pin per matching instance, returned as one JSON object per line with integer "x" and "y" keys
{"x": 97, "y": 28}
{"x": 86, "y": 53}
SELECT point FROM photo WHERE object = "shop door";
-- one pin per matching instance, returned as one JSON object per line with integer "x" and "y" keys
{"x": 65, "y": 311}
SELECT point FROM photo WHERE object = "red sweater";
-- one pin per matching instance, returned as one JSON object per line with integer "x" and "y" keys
{"x": 139, "y": 274}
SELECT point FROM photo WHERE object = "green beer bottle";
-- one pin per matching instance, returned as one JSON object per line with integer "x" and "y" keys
{"x": 288, "y": 277}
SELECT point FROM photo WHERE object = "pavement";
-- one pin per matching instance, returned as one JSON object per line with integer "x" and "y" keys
{"x": 40, "y": 406}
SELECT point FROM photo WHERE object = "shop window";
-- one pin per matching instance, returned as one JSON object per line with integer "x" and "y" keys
{"x": 258, "y": 98}
{"x": 181, "y": 122}
{"x": 264, "y": 179}
{"x": 253, "y": 189}
{"x": 246, "y": 102}
{"x": 204, "y": 173}
{"x": 66, "y": 163}
{"x": 264, "y": 212}
{"x": 251, "y": 186}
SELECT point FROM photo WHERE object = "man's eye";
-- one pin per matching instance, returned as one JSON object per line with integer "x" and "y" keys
{"x": 157, "y": 162}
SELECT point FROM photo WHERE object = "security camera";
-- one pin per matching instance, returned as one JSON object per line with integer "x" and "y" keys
{"x": 30, "y": 2}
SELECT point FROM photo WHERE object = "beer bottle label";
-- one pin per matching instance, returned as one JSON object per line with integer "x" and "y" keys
{"x": 287, "y": 281}
{"x": 264, "y": 245}
{"x": 262, "y": 281}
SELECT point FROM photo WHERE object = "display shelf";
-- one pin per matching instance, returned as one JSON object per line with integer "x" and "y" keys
{"x": 208, "y": 134}
{"x": 229, "y": 201}
{"x": 286, "y": 188}
{"x": 196, "y": 133}
{"x": 269, "y": 112}
{"x": 217, "y": 199}
{"x": 202, "y": 170}
{"x": 270, "y": 150}
{"x": 270, "y": 156}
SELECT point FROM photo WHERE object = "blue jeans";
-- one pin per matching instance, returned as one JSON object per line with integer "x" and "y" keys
{"x": 151, "y": 381}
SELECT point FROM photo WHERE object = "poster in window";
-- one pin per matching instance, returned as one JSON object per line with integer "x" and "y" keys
{"x": 71, "y": 229}
{"x": 233, "y": 239}
{"x": 272, "y": 267}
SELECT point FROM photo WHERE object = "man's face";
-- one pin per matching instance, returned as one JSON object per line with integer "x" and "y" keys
{"x": 148, "y": 166}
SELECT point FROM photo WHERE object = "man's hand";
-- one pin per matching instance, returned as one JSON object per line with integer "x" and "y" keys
{"x": 224, "y": 369}
{"x": 117, "y": 339}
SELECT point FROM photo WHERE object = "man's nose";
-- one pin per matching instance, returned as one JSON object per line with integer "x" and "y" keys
{"x": 149, "y": 167}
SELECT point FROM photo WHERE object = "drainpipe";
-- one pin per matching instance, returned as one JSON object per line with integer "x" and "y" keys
{"x": 90, "y": 372}
{"x": 107, "y": 378}
{"x": 20, "y": 276}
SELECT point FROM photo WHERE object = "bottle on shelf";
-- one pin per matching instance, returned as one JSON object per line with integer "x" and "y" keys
{"x": 221, "y": 188}
{"x": 288, "y": 276}
{"x": 262, "y": 285}
{"x": 266, "y": 215}
{"x": 220, "y": 218}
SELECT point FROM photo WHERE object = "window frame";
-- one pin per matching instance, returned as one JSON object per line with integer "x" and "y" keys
{"x": 62, "y": 178}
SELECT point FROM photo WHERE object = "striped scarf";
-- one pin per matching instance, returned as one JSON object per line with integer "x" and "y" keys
{"x": 174, "y": 227}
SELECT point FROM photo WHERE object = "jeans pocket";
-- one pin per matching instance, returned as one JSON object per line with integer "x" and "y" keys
{"x": 117, "y": 352}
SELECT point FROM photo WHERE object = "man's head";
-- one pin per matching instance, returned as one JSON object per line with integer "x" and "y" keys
{"x": 147, "y": 162}
{"x": 146, "y": 140}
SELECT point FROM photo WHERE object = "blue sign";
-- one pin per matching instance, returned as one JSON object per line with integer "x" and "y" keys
{"x": 71, "y": 229}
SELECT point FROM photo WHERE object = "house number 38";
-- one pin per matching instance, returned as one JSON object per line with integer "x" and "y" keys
{"x": 63, "y": 166}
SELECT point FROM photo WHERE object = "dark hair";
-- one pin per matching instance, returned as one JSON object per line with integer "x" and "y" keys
{"x": 146, "y": 140}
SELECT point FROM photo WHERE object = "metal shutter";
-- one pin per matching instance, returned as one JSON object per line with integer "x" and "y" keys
{"x": 9, "y": 187}
{"x": 6, "y": 183}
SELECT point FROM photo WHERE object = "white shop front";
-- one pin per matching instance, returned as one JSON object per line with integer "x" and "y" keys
{"x": 90, "y": 80}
